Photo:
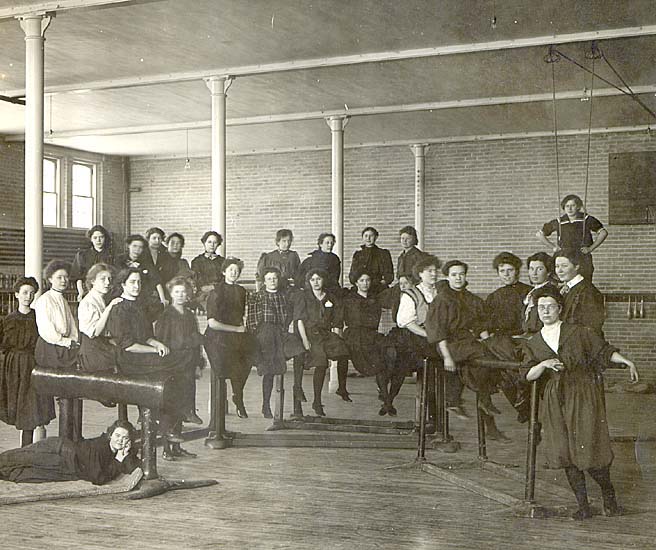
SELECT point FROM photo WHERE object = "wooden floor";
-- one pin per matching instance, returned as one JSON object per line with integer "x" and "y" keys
{"x": 344, "y": 498}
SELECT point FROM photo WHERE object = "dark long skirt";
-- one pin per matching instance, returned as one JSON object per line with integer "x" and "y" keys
{"x": 325, "y": 346}
{"x": 55, "y": 357}
{"x": 231, "y": 354}
{"x": 274, "y": 347}
{"x": 20, "y": 405}
{"x": 370, "y": 351}
{"x": 37, "y": 463}
{"x": 97, "y": 354}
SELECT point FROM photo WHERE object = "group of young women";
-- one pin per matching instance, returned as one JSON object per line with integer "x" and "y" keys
{"x": 137, "y": 321}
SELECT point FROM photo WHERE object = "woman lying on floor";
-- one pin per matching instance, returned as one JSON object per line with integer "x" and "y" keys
{"x": 97, "y": 460}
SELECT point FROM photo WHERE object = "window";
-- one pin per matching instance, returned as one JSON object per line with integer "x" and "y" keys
{"x": 50, "y": 192}
{"x": 84, "y": 190}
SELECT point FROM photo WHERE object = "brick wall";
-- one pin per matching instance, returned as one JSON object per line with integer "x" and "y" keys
{"x": 481, "y": 198}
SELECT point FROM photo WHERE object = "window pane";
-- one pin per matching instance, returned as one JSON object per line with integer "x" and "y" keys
{"x": 82, "y": 180}
{"x": 49, "y": 175}
{"x": 82, "y": 212}
{"x": 50, "y": 209}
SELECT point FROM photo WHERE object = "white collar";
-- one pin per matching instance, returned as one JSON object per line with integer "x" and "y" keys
{"x": 575, "y": 281}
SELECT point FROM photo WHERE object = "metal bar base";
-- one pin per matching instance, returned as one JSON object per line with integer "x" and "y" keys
{"x": 153, "y": 487}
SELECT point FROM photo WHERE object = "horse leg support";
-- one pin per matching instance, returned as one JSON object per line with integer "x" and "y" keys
{"x": 220, "y": 439}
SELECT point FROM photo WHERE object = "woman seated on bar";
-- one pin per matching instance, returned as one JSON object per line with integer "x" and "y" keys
{"x": 98, "y": 460}
{"x": 316, "y": 312}
{"x": 322, "y": 258}
{"x": 282, "y": 258}
{"x": 583, "y": 304}
{"x": 140, "y": 354}
{"x": 208, "y": 267}
{"x": 505, "y": 306}
{"x": 411, "y": 341}
{"x": 151, "y": 295}
{"x": 457, "y": 324}
{"x": 574, "y": 231}
{"x": 98, "y": 252}
{"x": 177, "y": 328}
{"x": 97, "y": 353}
{"x": 566, "y": 360}
{"x": 540, "y": 274}
{"x": 229, "y": 347}
{"x": 20, "y": 404}
{"x": 374, "y": 260}
{"x": 269, "y": 316}
{"x": 371, "y": 353}
{"x": 58, "y": 342}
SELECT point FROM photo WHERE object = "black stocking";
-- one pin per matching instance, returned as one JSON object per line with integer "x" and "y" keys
{"x": 317, "y": 380}
{"x": 602, "y": 477}
{"x": 342, "y": 373}
{"x": 576, "y": 479}
{"x": 26, "y": 437}
{"x": 267, "y": 388}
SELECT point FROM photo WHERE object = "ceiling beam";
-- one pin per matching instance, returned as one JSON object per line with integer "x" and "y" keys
{"x": 362, "y": 111}
{"x": 56, "y": 6}
{"x": 317, "y": 63}
{"x": 409, "y": 142}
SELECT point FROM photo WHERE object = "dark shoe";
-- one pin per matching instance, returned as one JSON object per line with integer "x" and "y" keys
{"x": 383, "y": 410}
{"x": 582, "y": 513}
{"x": 498, "y": 435}
{"x": 486, "y": 405}
{"x": 344, "y": 395}
{"x": 318, "y": 409}
{"x": 458, "y": 412}
{"x": 108, "y": 404}
{"x": 178, "y": 451}
{"x": 192, "y": 418}
{"x": 169, "y": 456}
{"x": 173, "y": 438}
{"x": 391, "y": 410}
{"x": 266, "y": 411}
{"x": 611, "y": 508}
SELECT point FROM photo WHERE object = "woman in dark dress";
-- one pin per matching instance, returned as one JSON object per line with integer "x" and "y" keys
{"x": 566, "y": 359}
{"x": 229, "y": 347}
{"x": 373, "y": 260}
{"x": 151, "y": 295}
{"x": 97, "y": 353}
{"x": 20, "y": 405}
{"x": 98, "y": 460}
{"x": 269, "y": 317}
{"x": 179, "y": 266}
{"x": 139, "y": 353}
{"x": 316, "y": 312}
{"x": 156, "y": 256}
{"x": 282, "y": 258}
{"x": 574, "y": 231}
{"x": 208, "y": 267}
{"x": 370, "y": 351}
{"x": 322, "y": 258}
{"x": 177, "y": 328}
{"x": 540, "y": 274}
{"x": 583, "y": 303}
{"x": 98, "y": 252}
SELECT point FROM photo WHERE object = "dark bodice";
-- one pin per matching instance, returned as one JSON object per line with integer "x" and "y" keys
{"x": 127, "y": 324}
{"x": 179, "y": 331}
{"x": 455, "y": 315}
{"x": 207, "y": 271}
{"x": 361, "y": 312}
{"x": 505, "y": 309}
{"x": 227, "y": 304}
{"x": 18, "y": 332}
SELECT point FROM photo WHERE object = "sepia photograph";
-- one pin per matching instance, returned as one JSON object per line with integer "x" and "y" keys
{"x": 328, "y": 274}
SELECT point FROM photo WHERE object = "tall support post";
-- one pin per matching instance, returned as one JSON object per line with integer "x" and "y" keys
{"x": 34, "y": 26}
{"x": 419, "y": 151}
{"x": 218, "y": 86}
{"x": 337, "y": 125}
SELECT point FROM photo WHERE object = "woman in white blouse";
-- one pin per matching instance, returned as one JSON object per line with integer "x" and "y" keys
{"x": 97, "y": 353}
{"x": 58, "y": 339}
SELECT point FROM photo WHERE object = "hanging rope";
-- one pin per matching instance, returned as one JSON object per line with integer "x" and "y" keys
{"x": 587, "y": 163}
{"x": 552, "y": 58}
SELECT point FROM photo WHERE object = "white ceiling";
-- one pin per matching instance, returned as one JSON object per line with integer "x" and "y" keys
{"x": 97, "y": 58}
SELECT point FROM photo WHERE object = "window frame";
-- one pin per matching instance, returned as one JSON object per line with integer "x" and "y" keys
{"x": 93, "y": 191}
{"x": 57, "y": 192}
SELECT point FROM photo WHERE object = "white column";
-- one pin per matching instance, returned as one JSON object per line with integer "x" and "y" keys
{"x": 218, "y": 86}
{"x": 34, "y": 26}
{"x": 337, "y": 125}
{"x": 419, "y": 151}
